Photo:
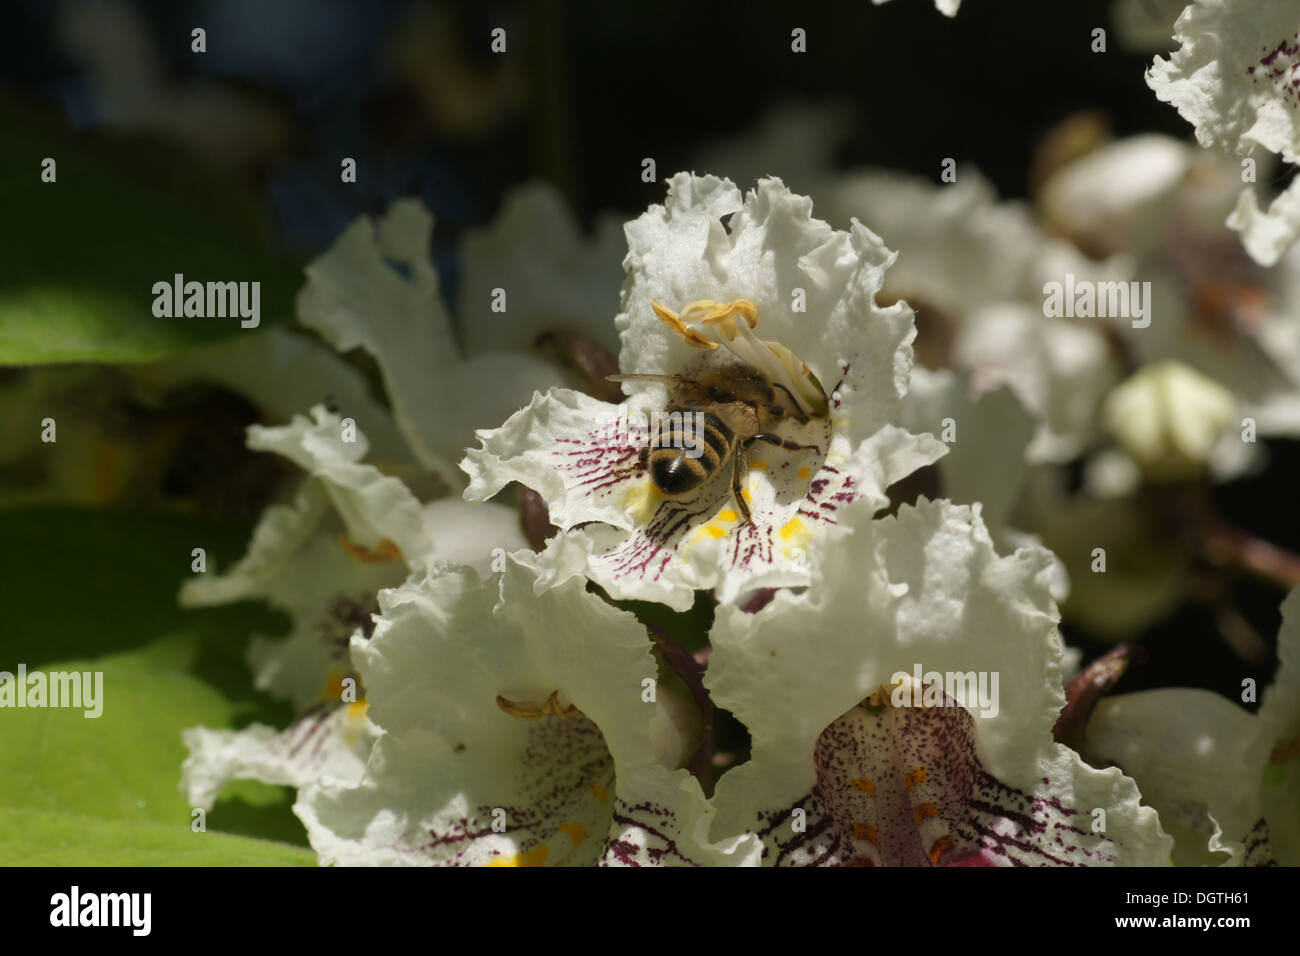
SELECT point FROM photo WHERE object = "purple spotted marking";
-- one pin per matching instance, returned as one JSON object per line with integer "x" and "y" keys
{"x": 561, "y": 761}
{"x": 1281, "y": 67}
{"x": 904, "y": 786}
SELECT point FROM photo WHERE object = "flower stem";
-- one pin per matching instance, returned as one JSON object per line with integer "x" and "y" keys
{"x": 1228, "y": 544}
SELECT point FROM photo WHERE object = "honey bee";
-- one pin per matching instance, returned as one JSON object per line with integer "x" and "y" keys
{"x": 733, "y": 407}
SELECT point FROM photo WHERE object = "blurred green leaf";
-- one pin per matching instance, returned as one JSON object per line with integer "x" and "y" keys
{"x": 96, "y": 591}
{"x": 82, "y": 253}
{"x": 45, "y": 838}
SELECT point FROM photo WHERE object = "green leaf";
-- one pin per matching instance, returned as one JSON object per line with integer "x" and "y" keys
{"x": 82, "y": 253}
{"x": 96, "y": 591}
{"x": 45, "y": 838}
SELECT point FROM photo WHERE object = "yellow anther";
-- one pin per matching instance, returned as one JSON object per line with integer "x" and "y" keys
{"x": 531, "y": 710}
{"x": 381, "y": 553}
{"x": 534, "y": 857}
{"x": 723, "y": 313}
{"x": 707, "y": 312}
{"x": 670, "y": 318}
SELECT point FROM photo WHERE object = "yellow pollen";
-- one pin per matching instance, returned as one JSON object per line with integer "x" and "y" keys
{"x": 744, "y": 493}
{"x": 804, "y": 473}
{"x": 864, "y": 831}
{"x": 791, "y": 528}
{"x": 915, "y": 777}
{"x": 924, "y": 811}
{"x": 358, "y": 708}
{"x": 758, "y": 465}
{"x": 599, "y": 792}
{"x": 715, "y": 530}
{"x": 726, "y": 514}
{"x": 533, "y": 857}
{"x": 574, "y": 831}
{"x": 941, "y": 846}
{"x": 866, "y": 786}
{"x": 381, "y": 553}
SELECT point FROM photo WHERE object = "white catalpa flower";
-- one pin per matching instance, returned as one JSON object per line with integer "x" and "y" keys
{"x": 1225, "y": 782}
{"x": 553, "y": 278}
{"x": 1163, "y": 202}
{"x": 376, "y": 288}
{"x": 350, "y": 531}
{"x": 521, "y": 728}
{"x": 768, "y": 324}
{"x": 986, "y": 436}
{"x": 974, "y": 269}
{"x": 901, "y": 712}
{"x": 1234, "y": 79}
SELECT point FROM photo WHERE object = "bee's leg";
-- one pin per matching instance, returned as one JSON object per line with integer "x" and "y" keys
{"x": 798, "y": 409}
{"x": 780, "y": 442}
{"x": 737, "y": 478}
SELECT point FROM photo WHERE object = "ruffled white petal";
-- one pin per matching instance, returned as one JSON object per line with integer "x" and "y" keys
{"x": 1232, "y": 77}
{"x": 1190, "y": 753}
{"x": 1059, "y": 371}
{"x": 1119, "y": 197}
{"x": 1267, "y": 235}
{"x": 298, "y": 564}
{"x": 349, "y": 532}
{"x": 552, "y": 275}
{"x": 1279, "y": 717}
{"x": 329, "y": 743}
{"x": 1235, "y": 79}
{"x": 961, "y": 784}
{"x": 376, "y": 289}
{"x": 374, "y": 507}
{"x": 1225, "y": 782}
{"x": 582, "y": 455}
{"x": 580, "y": 788}
{"x": 974, "y": 268}
{"x": 958, "y": 246}
{"x": 986, "y": 458}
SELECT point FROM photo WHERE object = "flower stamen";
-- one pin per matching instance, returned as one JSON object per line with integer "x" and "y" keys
{"x": 531, "y": 710}
{"x": 381, "y": 553}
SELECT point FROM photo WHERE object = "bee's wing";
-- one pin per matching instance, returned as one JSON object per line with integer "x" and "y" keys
{"x": 645, "y": 377}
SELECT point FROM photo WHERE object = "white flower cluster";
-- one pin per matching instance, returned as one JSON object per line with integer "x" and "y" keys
{"x": 468, "y": 695}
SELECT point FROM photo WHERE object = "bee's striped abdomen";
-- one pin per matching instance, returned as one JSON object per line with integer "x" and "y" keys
{"x": 684, "y": 459}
